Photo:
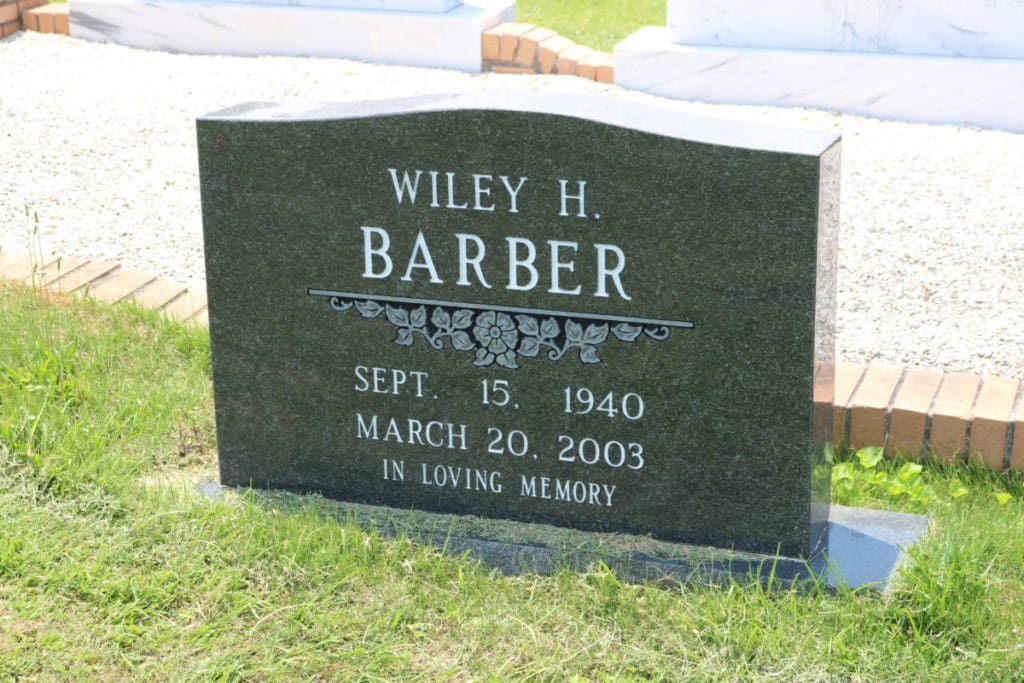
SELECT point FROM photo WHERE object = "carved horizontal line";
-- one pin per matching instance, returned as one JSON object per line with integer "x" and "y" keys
{"x": 683, "y": 324}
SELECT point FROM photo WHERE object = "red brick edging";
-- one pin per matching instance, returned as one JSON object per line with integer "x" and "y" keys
{"x": 106, "y": 281}
{"x": 911, "y": 412}
{"x": 527, "y": 49}
{"x": 33, "y": 15}
{"x": 915, "y": 412}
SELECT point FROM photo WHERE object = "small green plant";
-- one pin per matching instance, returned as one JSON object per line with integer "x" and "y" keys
{"x": 868, "y": 476}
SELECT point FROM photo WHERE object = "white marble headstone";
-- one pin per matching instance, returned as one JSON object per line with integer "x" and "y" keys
{"x": 319, "y": 28}
{"x": 951, "y": 28}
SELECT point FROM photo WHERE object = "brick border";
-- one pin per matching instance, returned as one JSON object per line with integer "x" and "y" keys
{"x": 915, "y": 413}
{"x": 910, "y": 412}
{"x": 106, "y": 281}
{"x": 48, "y": 18}
{"x": 527, "y": 49}
{"x": 14, "y": 14}
{"x": 33, "y": 15}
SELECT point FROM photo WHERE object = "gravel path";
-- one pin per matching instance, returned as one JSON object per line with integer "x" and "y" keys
{"x": 99, "y": 141}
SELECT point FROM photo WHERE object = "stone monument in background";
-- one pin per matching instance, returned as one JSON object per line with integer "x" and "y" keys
{"x": 939, "y": 61}
{"x": 437, "y": 33}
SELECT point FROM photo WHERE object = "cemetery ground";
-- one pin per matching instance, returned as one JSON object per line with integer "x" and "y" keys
{"x": 113, "y": 566}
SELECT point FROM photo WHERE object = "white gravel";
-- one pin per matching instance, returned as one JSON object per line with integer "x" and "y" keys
{"x": 99, "y": 141}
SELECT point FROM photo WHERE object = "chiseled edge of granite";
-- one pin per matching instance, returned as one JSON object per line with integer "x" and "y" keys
{"x": 643, "y": 117}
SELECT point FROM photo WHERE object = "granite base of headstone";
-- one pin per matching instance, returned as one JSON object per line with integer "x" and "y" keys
{"x": 554, "y": 310}
{"x": 863, "y": 548}
{"x": 931, "y": 61}
{"x": 434, "y": 33}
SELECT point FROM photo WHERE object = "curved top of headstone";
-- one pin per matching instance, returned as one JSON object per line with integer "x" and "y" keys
{"x": 644, "y": 117}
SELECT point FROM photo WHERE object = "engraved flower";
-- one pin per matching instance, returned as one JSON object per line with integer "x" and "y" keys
{"x": 496, "y": 332}
{"x": 497, "y": 336}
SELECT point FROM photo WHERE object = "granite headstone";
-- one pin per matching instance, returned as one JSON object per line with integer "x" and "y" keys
{"x": 562, "y": 309}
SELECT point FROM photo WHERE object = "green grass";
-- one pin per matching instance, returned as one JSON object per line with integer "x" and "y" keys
{"x": 112, "y": 568}
{"x": 597, "y": 24}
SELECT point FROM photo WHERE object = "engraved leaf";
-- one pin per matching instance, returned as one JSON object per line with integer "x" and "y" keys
{"x": 588, "y": 354}
{"x": 339, "y": 304}
{"x": 398, "y": 317}
{"x": 462, "y": 319}
{"x": 529, "y": 347}
{"x": 419, "y": 317}
{"x": 462, "y": 341}
{"x": 627, "y": 332}
{"x": 657, "y": 333}
{"x": 596, "y": 333}
{"x": 549, "y": 328}
{"x": 573, "y": 332}
{"x": 369, "y": 309}
{"x": 528, "y": 325}
{"x": 483, "y": 357}
{"x": 441, "y": 319}
{"x": 404, "y": 337}
{"x": 508, "y": 360}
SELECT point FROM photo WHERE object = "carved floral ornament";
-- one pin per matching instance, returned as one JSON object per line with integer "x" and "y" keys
{"x": 495, "y": 336}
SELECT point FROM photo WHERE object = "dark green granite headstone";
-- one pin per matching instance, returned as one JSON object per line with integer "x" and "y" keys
{"x": 561, "y": 309}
